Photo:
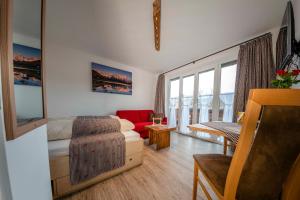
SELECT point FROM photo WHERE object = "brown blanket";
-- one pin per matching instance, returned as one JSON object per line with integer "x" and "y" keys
{"x": 97, "y": 146}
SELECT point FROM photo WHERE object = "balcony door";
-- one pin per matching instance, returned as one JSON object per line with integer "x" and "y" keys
{"x": 187, "y": 103}
{"x": 174, "y": 102}
{"x": 227, "y": 87}
{"x": 205, "y": 96}
{"x": 202, "y": 96}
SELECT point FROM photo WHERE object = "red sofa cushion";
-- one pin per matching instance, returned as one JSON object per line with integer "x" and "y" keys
{"x": 145, "y": 115}
{"x": 135, "y": 115}
{"x": 130, "y": 115}
{"x": 140, "y": 126}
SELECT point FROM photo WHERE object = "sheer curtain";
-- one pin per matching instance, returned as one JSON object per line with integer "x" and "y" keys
{"x": 227, "y": 100}
{"x": 172, "y": 111}
{"x": 204, "y": 104}
{"x": 187, "y": 104}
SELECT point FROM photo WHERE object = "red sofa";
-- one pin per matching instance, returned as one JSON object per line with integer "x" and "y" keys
{"x": 140, "y": 118}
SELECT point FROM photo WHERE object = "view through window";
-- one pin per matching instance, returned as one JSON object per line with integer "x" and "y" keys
{"x": 174, "y": 102}
{"x": 228, "y": 74}
{"x": 205, "y": 96}
{"x": 213, "y": 93}
{"x": 187, "y": 103}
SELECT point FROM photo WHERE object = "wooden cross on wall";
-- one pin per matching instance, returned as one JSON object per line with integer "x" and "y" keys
{"x": 156, "y": 22}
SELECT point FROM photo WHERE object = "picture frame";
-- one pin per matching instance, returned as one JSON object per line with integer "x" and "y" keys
{"x": 27, "y": 65}
{"x": 107, "y": 79}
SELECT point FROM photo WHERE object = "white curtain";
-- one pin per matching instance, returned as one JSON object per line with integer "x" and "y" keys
{"x": 227, "y": 100}
{"x": 172, "y": 107}
{"x": 187, "y": 104}
{"x": 204, "y": 103}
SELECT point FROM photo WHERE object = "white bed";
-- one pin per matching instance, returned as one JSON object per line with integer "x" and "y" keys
{"x": 59, "y": 163}
{"x": 61, "y": 147}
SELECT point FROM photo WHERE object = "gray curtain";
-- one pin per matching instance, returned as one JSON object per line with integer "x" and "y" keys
{"x": 255, "y": 69}
{"x": 281, "y": 49}
{"x": 159, "y": 106}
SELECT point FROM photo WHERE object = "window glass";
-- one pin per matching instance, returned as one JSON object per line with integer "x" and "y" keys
{"x": 228, "y": 76}
{"x": 187, "y": 103}
{"x": 174, "y": 103}
{"x": 205, "y": 96}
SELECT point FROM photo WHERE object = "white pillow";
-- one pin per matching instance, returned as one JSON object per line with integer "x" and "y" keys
{"x": 114, "y": 116}
{"x": 126, "y": 125}
{"x": 60, "y": 128}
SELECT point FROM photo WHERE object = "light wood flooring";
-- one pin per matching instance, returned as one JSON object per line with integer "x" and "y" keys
{"x": 166, "y": 174}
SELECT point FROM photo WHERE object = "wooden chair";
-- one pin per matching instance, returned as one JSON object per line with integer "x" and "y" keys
{"x": 264, "y": 154}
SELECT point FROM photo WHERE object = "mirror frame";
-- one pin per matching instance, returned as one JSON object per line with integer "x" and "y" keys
{"x": 14, "y": 131}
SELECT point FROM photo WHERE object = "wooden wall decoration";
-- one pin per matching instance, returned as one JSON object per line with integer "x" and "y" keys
{"x": 156, "y": 22}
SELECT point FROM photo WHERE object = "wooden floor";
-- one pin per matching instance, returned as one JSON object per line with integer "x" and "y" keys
{"x": 165, "y": 174}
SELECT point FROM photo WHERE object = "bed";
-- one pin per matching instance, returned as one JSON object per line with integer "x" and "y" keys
{"x": 59, "y": 164}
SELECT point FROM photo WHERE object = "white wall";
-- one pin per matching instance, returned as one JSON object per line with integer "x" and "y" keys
{"x": 69, "y": 85}
{"x": 5, "y": 193}
{"x": 28, "y": 166}
{"x": 24, "y": 165}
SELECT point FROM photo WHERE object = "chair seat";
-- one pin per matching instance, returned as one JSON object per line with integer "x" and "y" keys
{"x": 215, "y": 167}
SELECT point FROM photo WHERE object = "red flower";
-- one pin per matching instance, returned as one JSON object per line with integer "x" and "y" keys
{"x": 281, "y": 72}
{"x": 296, "y": 72}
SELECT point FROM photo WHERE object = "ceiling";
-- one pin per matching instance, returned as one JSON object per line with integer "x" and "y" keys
{"x": 122, "y": 30}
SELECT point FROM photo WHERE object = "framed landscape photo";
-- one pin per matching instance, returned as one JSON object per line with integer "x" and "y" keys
{"x": 107, "y": 79}
{"x": 27, "y": 65}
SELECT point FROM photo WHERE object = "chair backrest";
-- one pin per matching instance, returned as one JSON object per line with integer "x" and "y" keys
{"x": 265, "y": 154}
{"x": 274, "y": 150}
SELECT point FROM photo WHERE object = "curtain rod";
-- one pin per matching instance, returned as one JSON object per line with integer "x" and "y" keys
{"x": 194, "y": 61}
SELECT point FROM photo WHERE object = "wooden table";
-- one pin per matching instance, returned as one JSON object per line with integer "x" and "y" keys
{"x": 206, "y": 129}
{"x": 159, "y": 135}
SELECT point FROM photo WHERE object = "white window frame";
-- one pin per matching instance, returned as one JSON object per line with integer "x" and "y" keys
{"x": 211, "y": 63}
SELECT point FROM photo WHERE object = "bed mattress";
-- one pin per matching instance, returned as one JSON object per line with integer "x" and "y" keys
{"x": 61, "y": 147}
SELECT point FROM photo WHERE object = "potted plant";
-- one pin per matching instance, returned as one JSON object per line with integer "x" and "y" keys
{"x": 285, "y": 79}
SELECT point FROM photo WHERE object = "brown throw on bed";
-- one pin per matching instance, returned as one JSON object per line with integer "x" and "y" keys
{"x": 97, "y": 146}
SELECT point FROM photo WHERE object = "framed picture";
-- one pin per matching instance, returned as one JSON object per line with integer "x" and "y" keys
{"x": 111, "y": 80}
{"x": 27, "y": 65}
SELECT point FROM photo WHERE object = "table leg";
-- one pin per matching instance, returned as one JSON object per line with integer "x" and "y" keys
{"x": 150, "y": 137}
{"x": 225, "y": 145}
{"x": 163, "y": 140}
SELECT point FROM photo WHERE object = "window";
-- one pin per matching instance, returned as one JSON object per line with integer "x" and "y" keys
{"x": 205, "y": 96}
{"x": 174, "y": 102}
{"x": 228, "y": 76}
{"x": 202, "y": 97}
{"x": 187, "y": 103}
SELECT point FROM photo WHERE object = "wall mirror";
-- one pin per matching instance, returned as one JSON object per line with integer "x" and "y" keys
{"x": 22, "y": 66}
